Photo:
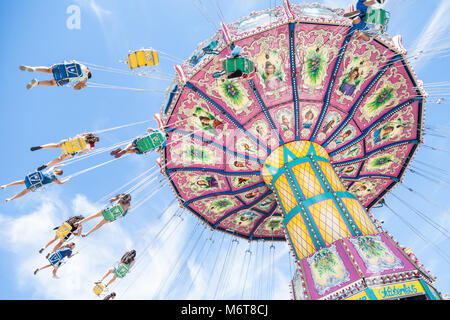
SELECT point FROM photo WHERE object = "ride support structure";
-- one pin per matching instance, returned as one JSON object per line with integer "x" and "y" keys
{"x": 340, "y": 251}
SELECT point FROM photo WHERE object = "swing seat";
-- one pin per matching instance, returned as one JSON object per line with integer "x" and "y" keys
{"x": 112, "y": 213}
{"x": 231, "y": 65}
{"x": 63, "y": 230}
{"x": 73, "y": 146}
{"x": 377, "y": 18}
{"x": 142, "y": 58}
{"x": 122, "y": 270}
{"x": 66, "y": 71}
{"x": 239, "y": 63}
{"x": 154, "y": 140}
{"x": 55, "y": 258}
{"x": 34, "y": 180}
{"x": 98, "y": 289}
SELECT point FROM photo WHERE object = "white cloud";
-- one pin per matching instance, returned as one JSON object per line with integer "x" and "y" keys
{"x": 163, "y": 269}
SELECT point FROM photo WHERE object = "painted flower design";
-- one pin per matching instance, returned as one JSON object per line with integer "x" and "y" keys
{"x": 232, "y": 91}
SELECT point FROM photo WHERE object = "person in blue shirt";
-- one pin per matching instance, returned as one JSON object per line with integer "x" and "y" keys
{"x": 47, "y": 177}
{"x": 358, "y": 15}
{"x": 362, "y": 6}
{"x": 65, "y": 252}
{"x": 61, "y": 77}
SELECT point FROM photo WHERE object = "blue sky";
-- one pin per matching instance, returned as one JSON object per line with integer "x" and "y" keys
{"x": 35, "y": 33}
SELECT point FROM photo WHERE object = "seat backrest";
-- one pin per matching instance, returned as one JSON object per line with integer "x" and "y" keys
{"x": 142, "y": 58}
{"x": 63, "y": 230}
{"x": 151, "y": 141}
{"x": 34, "y": 180}
{"x": 73, "y": 145}
{"x": 113, "y": 212}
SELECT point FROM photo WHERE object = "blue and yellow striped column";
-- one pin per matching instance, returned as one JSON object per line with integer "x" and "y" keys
{"x": 318, "y": 209}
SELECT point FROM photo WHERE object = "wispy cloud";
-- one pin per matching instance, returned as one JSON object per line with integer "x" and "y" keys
{"x": 437, "y": 26}
{"x": 96, "y": 8}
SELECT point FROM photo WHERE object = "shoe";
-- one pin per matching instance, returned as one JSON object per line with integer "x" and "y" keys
{"x": 3, "y": 186}
{"x": 352, "y": 15}
{"x": 114, "y": 152}
{"x": 26, "y": 68}
{"x": 7, "y": 200}
{"x": 48, "y": 255}
{"x": 32, "y": 84}
{"x": 41, "y": 250}
{"x": 36, "y": 271}
{"x": 41, "y": 167}
{"x": 119, "y": 154}
{"x": 35, "y": 148}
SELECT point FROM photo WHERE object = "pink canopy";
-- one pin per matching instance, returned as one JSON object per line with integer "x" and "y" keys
{"x": 315, "y": 81}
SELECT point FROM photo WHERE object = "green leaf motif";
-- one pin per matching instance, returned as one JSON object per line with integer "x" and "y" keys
{"x": 314, "y": 65}
{"x": 385, "y": 95}
{"x": 232, "y": 92}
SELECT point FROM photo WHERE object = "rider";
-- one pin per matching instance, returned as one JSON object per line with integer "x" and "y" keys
{"x": 131, "y": 147}
{"x": 75, "y": 230}
{"x": 236, "y": 74}
{"x": 65, "y": 251}
{"x": 47, "y": 177}
{"x": 60, "y": 77}
{"x": 358, "y": 16}
{"x": 122, "y": 200}
{"x": 128, "y": 259}
{"x": 90, "y": 139}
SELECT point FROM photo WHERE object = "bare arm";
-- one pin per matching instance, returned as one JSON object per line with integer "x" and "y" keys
{"x": 80, "y": 85}
{"x": 62, "y": 181}
{"x": 72, "y": 255}
{"x": 80, "y": 227}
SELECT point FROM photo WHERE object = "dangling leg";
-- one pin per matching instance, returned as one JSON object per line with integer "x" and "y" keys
{"x": 44, "y": 267}
{"x": 105, "y": 275}
{"x": 111, "y": 281}
{"x": 99, "y": 225}
{"x": 55, "y": 269}
{"x": 48, "y": 146}
{"x": 360, "y": 34}
{"x": 42, "y": 69}
{"x": 54, "y": 162}
{"x": 96, "y": 215}
{"x": 38, "y": 69}
{"x": 20, "y": 194}
{"x": 49, "y": 243}
{"x": 120, "y": 152}
{"x": 58, "y": 245}
{"x": 47, "y": 83}
{"x": 15, "y": 183}
{"x": 35, "y": 82}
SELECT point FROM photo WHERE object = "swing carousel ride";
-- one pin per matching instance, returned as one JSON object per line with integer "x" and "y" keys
{"x": 317, "y": 127}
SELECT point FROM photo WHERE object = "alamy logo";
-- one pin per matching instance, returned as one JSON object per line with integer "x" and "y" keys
{"x": 73, "y": 22}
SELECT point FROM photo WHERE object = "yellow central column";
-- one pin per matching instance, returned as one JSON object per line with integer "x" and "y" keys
{"x": 318, "y": 210}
